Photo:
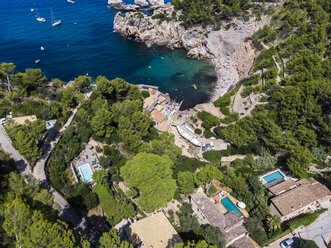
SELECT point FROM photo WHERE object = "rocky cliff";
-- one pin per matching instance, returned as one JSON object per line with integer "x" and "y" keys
{"x": 231, "y": 55}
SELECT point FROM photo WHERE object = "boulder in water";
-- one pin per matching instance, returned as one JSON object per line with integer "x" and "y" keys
{"x": 114, "y": 2}
{"x": 141, "y": 3}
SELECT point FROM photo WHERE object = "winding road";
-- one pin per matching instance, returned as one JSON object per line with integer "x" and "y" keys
{"x": 67, "y": 212}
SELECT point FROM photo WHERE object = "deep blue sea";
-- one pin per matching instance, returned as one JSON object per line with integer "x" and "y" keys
{"x": 92, "y": 47}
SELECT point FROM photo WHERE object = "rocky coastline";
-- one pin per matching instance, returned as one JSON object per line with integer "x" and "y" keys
{"x": 138, "y": 4}
{"x": 228, "y": 50}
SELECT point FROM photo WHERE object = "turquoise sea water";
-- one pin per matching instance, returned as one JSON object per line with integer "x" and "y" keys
{"x": 92, "y": 46}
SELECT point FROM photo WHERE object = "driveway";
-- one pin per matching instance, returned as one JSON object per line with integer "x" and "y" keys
{"x": 319, "y": 231}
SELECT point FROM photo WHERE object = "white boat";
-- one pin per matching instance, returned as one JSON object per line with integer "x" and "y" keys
{"x": 55, "y": 22}
{"x": 42, "y": 48}
{"x": 71, "y": 1}
{"x": 31, "y": 9}
{"x": 38, "y": 18}
{"x": 37, "y": 61}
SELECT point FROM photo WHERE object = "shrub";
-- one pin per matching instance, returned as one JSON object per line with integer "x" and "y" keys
{"x": 162, "y": 17}
{"x": 225, "y": 110}
{"x": 212, "y": 189}
{"x": 232, "y": 117}
{"x": 252, "y": 80}
{"x": 223, "y": 101}
{"x": 198, "y": 131}
{"x": 208, "y": 119}
{"x": 212, "y": 156}
{"x": 145, "y": 93}
{"x": 208, "y": 134}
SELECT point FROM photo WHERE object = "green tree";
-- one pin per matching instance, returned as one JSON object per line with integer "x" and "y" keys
{"x": 31, "y": 229}
{"x": 274, "y": 223}
{"x": 214, "y": 236}
{"x": 207, "y": 174}
{"x": 68, "y": 97}
{"x": 112, "y": 240}
{"x": 7, "y": 69}
{"x": 100, "y": 176}
{"x": 185, "y": 182}
{"x": 82, "y": 82}
{"x": 26, "y": 144}
{"x": 104, "y": 85}
{"x": 33, "y": 78}
{"x": 102, "y": 122}
{"x": 152, "y": 176}
{"x": 299, "y": 161}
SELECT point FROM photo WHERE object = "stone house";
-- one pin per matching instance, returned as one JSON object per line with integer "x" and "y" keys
{"x": 230, "y": 224}
{"x": 293, "y": 198}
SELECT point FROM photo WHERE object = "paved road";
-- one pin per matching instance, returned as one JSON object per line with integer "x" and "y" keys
{"x": 21, "y": 164}
{"x": 67, "y": 213}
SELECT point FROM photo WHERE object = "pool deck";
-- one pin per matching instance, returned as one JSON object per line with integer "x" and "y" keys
{"x": 221, "y": 207}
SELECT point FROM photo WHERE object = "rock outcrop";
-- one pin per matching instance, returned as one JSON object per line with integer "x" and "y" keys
{"x": 119, "y": 4}
{"x": 230, "y": 54}
{"x": 156, "y": 3}
{"x": 141, "y": 3}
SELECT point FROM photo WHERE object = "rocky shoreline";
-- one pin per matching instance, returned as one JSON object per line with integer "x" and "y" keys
{"x": 138, "y": 4}
{"x": 228, "y": 50}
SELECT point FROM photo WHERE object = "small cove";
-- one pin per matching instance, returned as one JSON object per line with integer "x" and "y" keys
{"x": 92, "y": 46}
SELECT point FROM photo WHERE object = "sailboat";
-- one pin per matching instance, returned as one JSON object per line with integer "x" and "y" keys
{"x": 38, "y": 18}
{"x": 71, "y": 1}
{"x": 55, "y": 22}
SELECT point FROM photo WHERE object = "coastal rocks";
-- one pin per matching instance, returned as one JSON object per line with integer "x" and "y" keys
{"x": 119, "y": 4}
{"x": 228, "y": 50}
{"x": 153, "y": 32}
{"x": 156, "y": 3}
{"x": 141, "y": 3}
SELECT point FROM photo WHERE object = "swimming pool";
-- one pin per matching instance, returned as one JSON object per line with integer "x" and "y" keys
{"x": 86, "y": 172}
{"x": 273, "y": 176}
{"x": 229, "y": 205}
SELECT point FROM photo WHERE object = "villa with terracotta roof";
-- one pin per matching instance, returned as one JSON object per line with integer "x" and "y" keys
{"x": 154, "y": 231}
{"x": 230, "y": 224}
{"x": 292, "y": 198}
{"x": 161, "y": 107}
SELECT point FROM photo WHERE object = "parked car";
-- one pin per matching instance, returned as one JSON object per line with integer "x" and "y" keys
{"x": 287, "y": 243}
{"x": 212, "y": 145}
{"x": 2, "y": 121}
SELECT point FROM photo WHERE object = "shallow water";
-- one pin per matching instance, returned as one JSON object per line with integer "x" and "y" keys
{"x": 92, "y": 46}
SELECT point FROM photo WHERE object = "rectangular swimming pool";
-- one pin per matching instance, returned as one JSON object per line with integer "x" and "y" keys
{"x": 273, "y": 176}
{"x": 229, "y": 205}
{"x": 86, "y": 172}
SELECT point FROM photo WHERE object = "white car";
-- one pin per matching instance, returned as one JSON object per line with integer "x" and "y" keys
{"x": 287, "y": 243}
{"x": 212, "y": 145}
{"x": 2, "y": 121}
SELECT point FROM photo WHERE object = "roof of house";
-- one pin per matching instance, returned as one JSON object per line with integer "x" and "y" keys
{"x": 234, "y": 233}
{"x": 158, "y": 107}
{"x": 21, "y": 120}
{"x": 232, "y": 219}
{"x": 158, "y": 116}
{"x": 153, "y": 231}
{"x": 148, "y": 101}
{"x": 299, "y": 197}
{"x": 286, "y": 185}
{"x": 163, "y": 127}
{"x": 152, "y": 91}
{"x": 243, "y": 242}
{"x": 209, "y": 209}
